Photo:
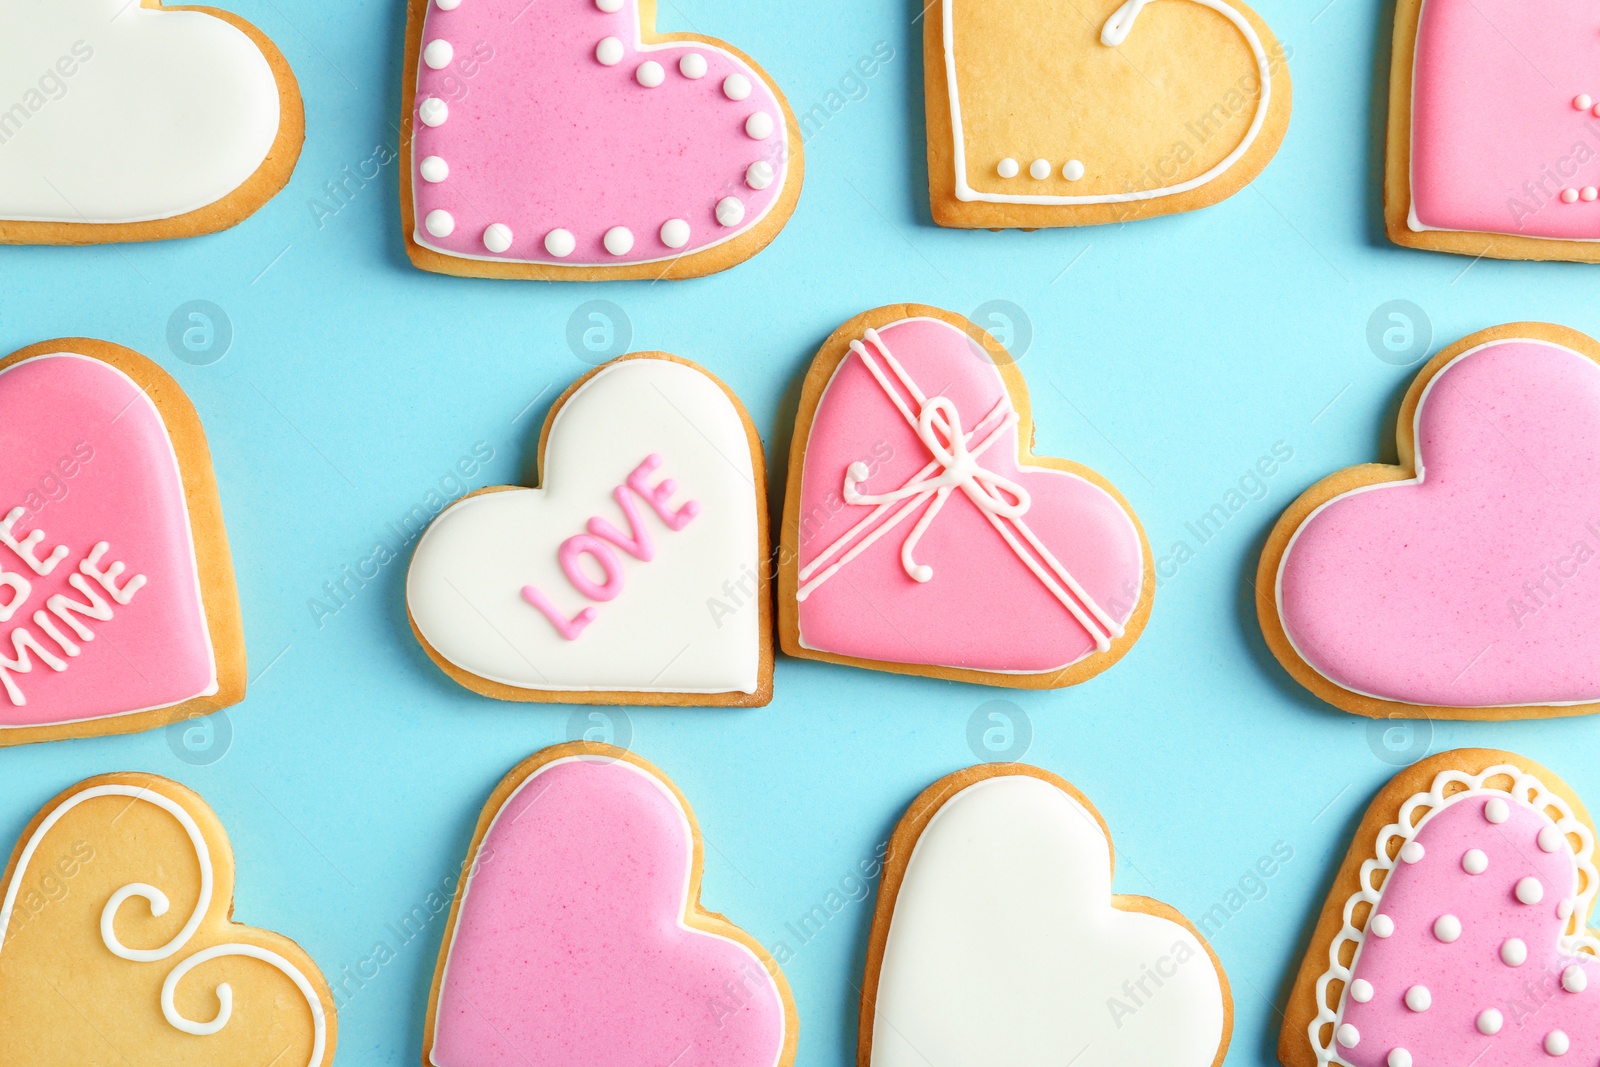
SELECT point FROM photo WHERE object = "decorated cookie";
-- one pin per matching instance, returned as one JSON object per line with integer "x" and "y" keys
{"x": 997, "y": 939}
{"x": 1043, "y": 114}
{"x": 130, "y": 121}
{"x": 117, "y": 603}
{"x": 567, "y": 140}
{"x": 577, "y": 935}
{"x": 1456, "y": 584}
{"x": 920, "y": 533}
{"x": 1494, "y": 129}
{"x": 119, "y": 948}
{"x": 635, "y": 574}
{"x": 1457, "y": 928}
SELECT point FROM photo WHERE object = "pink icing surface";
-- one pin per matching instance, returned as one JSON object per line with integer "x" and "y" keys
{"x": 542, "y": 135}
{"x": 154, "y": 651}
{"x": 1441, "y": 592}
{"x": 1467, "y": 976}
{"x": 1495, "y": 137}
{"x": 982, "y": 609}
{"x": 570, "y": 947}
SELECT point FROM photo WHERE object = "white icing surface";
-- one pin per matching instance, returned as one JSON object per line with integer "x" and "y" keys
{"x": 659, "y": 635}
{"x": 164, "y": 112}
{"x": 1004, "y": 947}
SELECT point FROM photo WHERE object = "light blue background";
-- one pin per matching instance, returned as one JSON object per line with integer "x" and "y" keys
{"x": 1168, "y": 354}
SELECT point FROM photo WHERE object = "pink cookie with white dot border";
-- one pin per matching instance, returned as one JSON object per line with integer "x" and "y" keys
{"x": 566, "y": 140}
{"x": 1457, "y": 929}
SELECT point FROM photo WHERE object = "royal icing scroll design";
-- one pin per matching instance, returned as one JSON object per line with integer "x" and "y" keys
{"x": 159, "y": 903}
{"x": 1003, "y": 502}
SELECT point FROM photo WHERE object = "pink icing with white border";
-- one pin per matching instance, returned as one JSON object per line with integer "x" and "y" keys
{"x": 1474, "y": 584}
{"x": 570, "y": 945}
{"x": 88, "y": 468}
{"x": 549, "y": 133}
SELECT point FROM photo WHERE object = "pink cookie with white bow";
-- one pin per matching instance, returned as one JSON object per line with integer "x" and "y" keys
{"x": 1457, "y": 929}
{"x": 566, "y": 140}
{"x": 922, "y": 536}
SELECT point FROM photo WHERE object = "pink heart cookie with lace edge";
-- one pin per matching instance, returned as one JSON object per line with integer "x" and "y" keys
{"x": 1494, "y": 140}
{"x": 567, "y": 140}
{"x": 922, "y": 536}
{"x": 118, "y": 610}
{"x": 1456, "y": 930}
{"x": 1455, "y": 585}
{"x": 577, "y": 935}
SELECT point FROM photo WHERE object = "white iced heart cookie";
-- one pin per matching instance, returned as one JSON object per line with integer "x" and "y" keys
{"x": 127, "y": 121}
{"x": 635, "y": 574}
{"x": 997, "y": 940}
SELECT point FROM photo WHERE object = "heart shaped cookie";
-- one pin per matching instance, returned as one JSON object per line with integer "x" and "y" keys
{"x": 119, "y": 947}
{"x": 125, "y": 121}
{"x": 920, "y": 534}
{"x": 1457, "y": 928}
{"x": 635, "y": 574}
{"x": 1457, "y": 584}
{"x": 577, "y": 935}
{"x": 1494, "y": 135}
{"x": 117, "y": 604}
{"x": 1044, "y": 115}
{"x": 997, "y": 939}
{"x": 566, "y": 140}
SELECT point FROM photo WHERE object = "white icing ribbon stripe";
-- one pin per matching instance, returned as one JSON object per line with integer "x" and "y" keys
{"x": 955, "y": 465}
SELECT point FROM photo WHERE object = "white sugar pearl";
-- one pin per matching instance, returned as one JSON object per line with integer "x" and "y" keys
{"x": 440, "y": 223}
{"x": 675, "y": 233}
{"x": 610, "y": 7}
{"x": 759, "y": 126}
{"x": 1513, "y": 952}
{"x": 1072, "y": 170}
{"x": 1039, "y": 169}
{"x": 438, "y": 54}
{"x": 1569, "y": 196}
{"x": 1530, "y": 890}
{"x": 1564, "y": 909}
{"x": 1447, "y": 928}
{"x": 446, "y": 5}
{"x": 650, "y": 74}
{"x": 736, "y": 87}
{"x": 497, "y": 237}
{"x": 560, "y": 243}
{"x": 692, "y": 66}
{"x": 433, "y": 112}
{"x": 1556, "y": 1043}
{"x": 1473, "y": 861}
{"x": 1496, "y": 811}
{"x": 434, "y": 169}
{"x": 1589, "y": 193}
{"x": 1582, "y": 101}
{"x": 759, "y": 174}
{"x": 1412, "y": 851}
{"x": 1347, "y": 1035}
{"x": 1550, "y": 839}
{"x": 1361, "y": 991}
{"x": 1381, "y": 926}
{"x": 1008, "y": 168}
{"x": 1418, "y": 998}
{"x": 1490, "y": 1021}
{"x": 1399, "y": 1057}
{"x": 609, "y": 51}
{"x": 730, "y": 211}
{"x": 1574, "y": 979}
{"x": 619, "y": 240}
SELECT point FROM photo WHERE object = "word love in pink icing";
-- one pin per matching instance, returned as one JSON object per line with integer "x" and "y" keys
{"x": 600, "y": 540}
{"x": 1466, "y": 958}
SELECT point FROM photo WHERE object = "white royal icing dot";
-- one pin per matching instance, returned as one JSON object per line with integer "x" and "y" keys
{"x": 1574, "y": 979}
{"x": 1072, "y": 170}
{"x": 1399, "y": 1057}
{"x": 438, "y": 54}
{"x": 1550, "y": 839}
{"x": 650, "y": 74}
{"x": 675, "y": 233}
{"x": 440, "y": 223}
{"x": 1489, "y": 1021}
{"x": 1039, "y": 169}
{"x": 610, "y": 7}
{"x": 560, "y": 243}
{"x": 609, "y": 51}
{"x": 730, "y": 211}
{"x": 1556, "y": 1043}
{"x": 497, "y": 237}
{"x": 1582, "y": 101}
{"x": 433, "y": 112}
{"x": 1569, "y": 196}
{"x": 1347, "y": 1035}
{"x": 1473, "y": 861}
{"x": 435, "y": 169}
{"x": 1589, "y": 193}
{"x": 692, "y": 66}
{"x": 1418, "y": 998}
{"x": 446, "y": 5}
{"x": 736, "y": 87}
{"x": 1447, "y": 928}
{"x": 1412, "y": 851}
{"x": 1361, "y": 991}
{"x": 1008, "y": 168}
{"x": 1496, "y": 811}
{"x": 619, "y": 240}
{"x": 1564, "y": 909}
{"x": 1513, "y": 952}
{"x": 1381, "y": 926}
{"x": 1529, "y": 890}
{"x": 759, "y": 174}
{"x": 759, "y": 126}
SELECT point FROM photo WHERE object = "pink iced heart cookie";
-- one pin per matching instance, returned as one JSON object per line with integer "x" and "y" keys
{"x": 1493, "y": 129}
{"x": 1456, "y": 584}
{"x": 565, "y": 139}
{"x": 578, "y": 936}
{"x": 117, "y": 604}
{"x": 922, "y": 536}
